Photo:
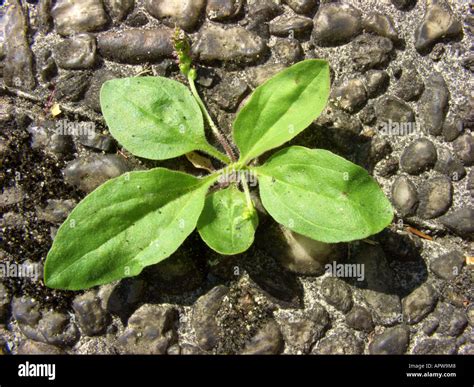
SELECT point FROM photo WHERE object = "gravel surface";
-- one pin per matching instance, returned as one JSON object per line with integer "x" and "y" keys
{"x": 401, "y": 106}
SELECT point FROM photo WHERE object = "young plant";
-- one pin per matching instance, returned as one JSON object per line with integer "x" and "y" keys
{"x": 142, "y": 217}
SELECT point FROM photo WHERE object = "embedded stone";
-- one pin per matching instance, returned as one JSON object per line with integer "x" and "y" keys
{"x": 419, "y": 156}
{"x": 78, "y": 52}
{"x": 182, "y": 13}
{"x": 18, "y": 63}
{"x": 76, "y": 16}
{"x": 136, "y": 45}
{"x": 438, "y": 23}
{"x": 435, "y": 197}
{"x": 234, "y": 44}
{"x": 336, "y": 24}
{"x": 380, "y": 24}
{"x": 404, "y": 196}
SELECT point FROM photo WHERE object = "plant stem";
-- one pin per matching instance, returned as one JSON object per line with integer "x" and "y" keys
{"x": 219, "y": 136}
{"x": 211, "y": 151}
{"x": 246, "y": 191}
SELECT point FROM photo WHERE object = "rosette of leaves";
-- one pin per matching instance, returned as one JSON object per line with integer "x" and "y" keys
{"x": 142, "y": 217}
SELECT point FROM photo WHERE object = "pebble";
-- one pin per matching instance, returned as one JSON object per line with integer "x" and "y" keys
{"x": 56, "y": 211}
{"x": 230, "y": 92}
{"x": 221, "y": 10}
{"x": 118, "y": 9}
{"x": 389, "y": 168}
{"x": 452, "y": 129}
{"x": 404, "y": 196}
{"x": 137, "y": 19}
{"x": 136, "y": 45}
{"x": 92, "y": 319}
{"x": 350, "y": 95}
{"x": 339, "y": 342}
{"x": 303, "y": 328}
{"x": 71, "y": 86}
{"x": 45, "y": 137}
{"x": 452, "y": 321}
{"x": 376, "y": 82}
{"x": 204, "y": 317}
{"x": 182, "y": 13}
{"x": 394, "y": 110}
{"x": 76, "y": 53}
{"x": 262, "y": 11}
{"x": 336, "y": 24}
{"x": 294, "y": 26}
{"x": 419, "y": 303}
{"x": 303, "y": 7}
{"x": 438, "y": 23}
{"x": 434, "y": 104}
{"x": 258, "y": 75}
{"x": 151, "y": 330}
{"x": 460, "y": 221}
{"x": 344, "y": 127}
{"x": 288, "y": 51}
{"x": 26, "y": 311}
{"x": 464, "y": 149}
{"x": 6, "y": 115}
{"x": 73, "y": 16}
{"x": 4, "y": 304}
{"x": 380, "y": 24}
{"x": 432, "y": 346}
{"x": 13, "y": 220}
{"x": 360, "y": 319}
{"x": 448, "y": 266}
{"x": 393, "y": 341}
{"x": 437, "y": 52}
{"x": 450, "y": 166}
{"x": 234, "y": 44}
{"x": 267, "y": 341}
{"x": 90, "y": 172}
{"x": 379, "y": 148}
{"x": 278, "y": 286}
{"x": 10, "y": 196}
{"x": 18, "y": 62}
{"x": 419, "y": 156}
{"x": 367, "y": 115}
{"x": 92, "y": 96}
{"x": 370, "y": 51}
{"x": 57, "y": 329}
{"x": 435, "y": 197}
{"x": 430, "y": 324}
{"x": 403, "y": 4}
{"x": 378, "y": 285}
{"x": 337, "y": 293}
{"x": 410, "y": 86}
{"x": 122, "y": 298}
{"x": 386, "y": 307}
{"x": 97, "y": 141}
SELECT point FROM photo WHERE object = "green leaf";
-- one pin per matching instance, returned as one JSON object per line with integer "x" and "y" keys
{"x": 130, "y": 222}
{"x": 281, "y": 108}
{"x": 225, "y": 225}
{"x": 153, "y": 117}
{"x": 322, "y": 196}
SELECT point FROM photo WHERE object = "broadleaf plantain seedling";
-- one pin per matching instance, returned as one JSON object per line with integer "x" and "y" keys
{"x": 142, "y": 217}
